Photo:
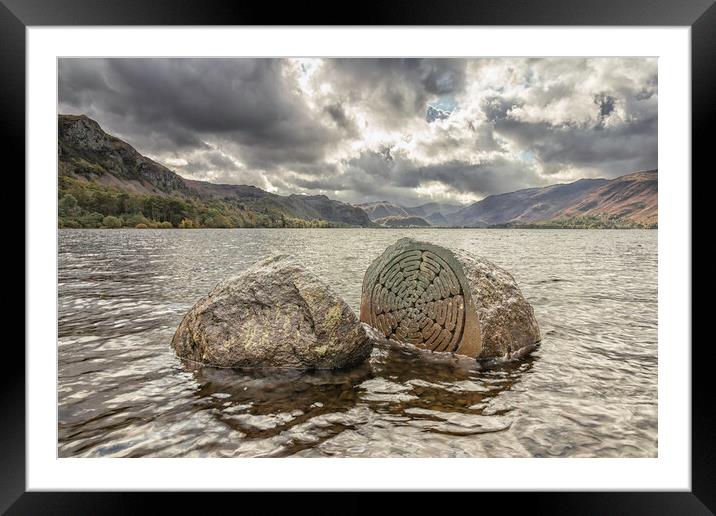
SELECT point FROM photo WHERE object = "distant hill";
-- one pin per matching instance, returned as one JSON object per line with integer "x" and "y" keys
{"x": 437, "y": 219}
{"x": 403, "y": 222}
{"x": 441, "y": 208}
{"x": 629, "y": 200}
{"x": 631, "y": 197}
{"x": 104, "y": 182}
{"x": 87, "y": 152}
{"x": 433, "y": 212}
{"x": 524, "y": 205}
{"x": 382, "y": 209}
{"x": 106, "y": 177}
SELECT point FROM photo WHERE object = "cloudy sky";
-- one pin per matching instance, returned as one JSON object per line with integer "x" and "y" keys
{"x": 404, "y": 130}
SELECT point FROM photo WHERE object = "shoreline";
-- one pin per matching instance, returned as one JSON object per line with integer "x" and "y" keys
{"x": 362, "y": 227}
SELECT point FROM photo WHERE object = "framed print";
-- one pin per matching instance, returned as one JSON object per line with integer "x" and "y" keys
{"x": 407, "y": 250}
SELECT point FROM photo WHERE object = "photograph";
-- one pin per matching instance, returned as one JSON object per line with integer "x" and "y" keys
{"x": 385, "y": 257}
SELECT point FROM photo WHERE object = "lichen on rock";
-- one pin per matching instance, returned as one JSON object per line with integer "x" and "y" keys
{"x": 507, "y": 321}
{"x": 274, "y": 314}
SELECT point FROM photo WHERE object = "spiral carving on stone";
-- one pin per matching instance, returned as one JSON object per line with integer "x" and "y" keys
{"x": 418, "y": 299}
{"x": 417, "y": 292}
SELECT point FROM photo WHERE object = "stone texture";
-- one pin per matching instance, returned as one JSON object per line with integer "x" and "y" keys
{"x": 275, "y": 314}
{"x": 417, "y": 292}
{"x": 507, "y": 321}
{"x": 444, "y": 300}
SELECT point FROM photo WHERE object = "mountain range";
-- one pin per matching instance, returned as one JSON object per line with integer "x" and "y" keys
{"x": 629, "y": 200}
{"x": 104, "y": 182}
{"x": 107, "y": 177}
{"x": 433, "y": 213}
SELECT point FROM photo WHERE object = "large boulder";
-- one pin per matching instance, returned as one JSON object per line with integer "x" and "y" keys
{"x": 448, "y": 301}
{"x": 507, "y": 321}
{"x": 274, "y": 314}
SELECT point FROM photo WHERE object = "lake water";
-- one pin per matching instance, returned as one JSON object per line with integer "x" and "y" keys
{"x": 590, "y": 390}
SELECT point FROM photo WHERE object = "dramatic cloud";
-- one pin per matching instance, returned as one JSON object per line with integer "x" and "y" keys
{"x": 405, "y": 130}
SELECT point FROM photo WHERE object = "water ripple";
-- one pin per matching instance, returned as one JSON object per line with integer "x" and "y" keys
{"x": 590, "y": 390}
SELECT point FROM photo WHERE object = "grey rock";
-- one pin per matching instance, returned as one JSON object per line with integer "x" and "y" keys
{"x": 508, "y": 325}
{"x": 274, "y": 314}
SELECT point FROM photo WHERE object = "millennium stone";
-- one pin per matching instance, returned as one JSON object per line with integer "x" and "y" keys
{"x": 447, "y": 300}
{"x": 273, "y": 315}
{"x": 417, "y": 292}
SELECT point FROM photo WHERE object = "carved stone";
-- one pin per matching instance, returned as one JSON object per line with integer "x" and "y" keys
{"x": 418, "y": 293}
{"x": 447, "y": 300}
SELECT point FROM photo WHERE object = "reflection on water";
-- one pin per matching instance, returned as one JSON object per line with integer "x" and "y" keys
{"x": 588, "y": 391}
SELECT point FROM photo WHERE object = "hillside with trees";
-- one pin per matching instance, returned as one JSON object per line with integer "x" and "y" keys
{"x": 103, "y": 182}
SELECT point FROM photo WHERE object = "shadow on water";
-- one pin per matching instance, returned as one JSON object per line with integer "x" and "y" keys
{"x": 436, "y": 393}
{"x": 278, "y": 399}
{"x": 446, "y": 383}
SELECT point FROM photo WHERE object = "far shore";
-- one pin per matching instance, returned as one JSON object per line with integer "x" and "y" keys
{"x": 361, "y": 227}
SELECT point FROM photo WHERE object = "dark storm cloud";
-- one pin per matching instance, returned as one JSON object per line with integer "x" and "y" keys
{"x": 606, "y": 107}
{"x": 338, "y": 115}
{"x": 434, "y": 76}
{"x": 370, "y": 172}
{"x": 395, "y": 89}
{"x": 605, "y": 103}
{"x": 325, "y": 183}
{"x": 212, "y": 161}
{"x": 162, "y": 101}
{"x": 610, "y": 149}
{"x": 371, "y": 129}
{"x": 488, "y": 178}
{"x": 497, "y": 108}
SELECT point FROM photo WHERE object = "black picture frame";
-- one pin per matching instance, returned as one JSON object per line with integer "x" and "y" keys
{"x": 700, "y": 15}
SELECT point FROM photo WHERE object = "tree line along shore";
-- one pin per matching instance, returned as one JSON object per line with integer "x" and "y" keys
{"x": 82, "y": 204}
{"x": 90, "y": 205}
